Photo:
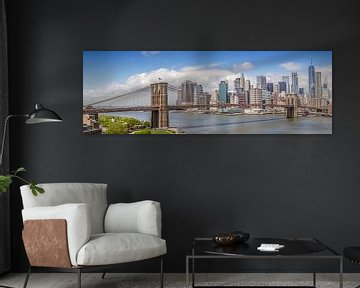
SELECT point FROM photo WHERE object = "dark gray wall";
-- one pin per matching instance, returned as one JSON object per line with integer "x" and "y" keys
{"x": 277, "y": 185}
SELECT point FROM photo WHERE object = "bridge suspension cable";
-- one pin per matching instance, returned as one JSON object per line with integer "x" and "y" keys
{"x": 117, "y": 96}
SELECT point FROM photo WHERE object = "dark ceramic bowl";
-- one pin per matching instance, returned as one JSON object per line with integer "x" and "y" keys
{"x": 241, "y": 236}
{"x": 225, "y": 239}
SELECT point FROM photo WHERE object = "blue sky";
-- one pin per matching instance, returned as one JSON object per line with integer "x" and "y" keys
{"x": 111, "y": 72}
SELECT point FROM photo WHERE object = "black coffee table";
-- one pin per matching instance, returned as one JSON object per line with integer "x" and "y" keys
{"x": 294, "y": 248}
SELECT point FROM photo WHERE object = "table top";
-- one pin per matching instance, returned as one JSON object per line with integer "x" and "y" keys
{"x": 292, "y": 247}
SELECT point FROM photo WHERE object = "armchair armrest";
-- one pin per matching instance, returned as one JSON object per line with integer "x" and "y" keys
{"x": 138, "y": 217}
{"x": 77, "y": 219}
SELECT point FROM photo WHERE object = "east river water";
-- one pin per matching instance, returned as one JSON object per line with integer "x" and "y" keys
{"x": 196, "y": 123}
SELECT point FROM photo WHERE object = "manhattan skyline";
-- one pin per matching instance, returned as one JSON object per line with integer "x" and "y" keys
{"x": 109, "y": 73}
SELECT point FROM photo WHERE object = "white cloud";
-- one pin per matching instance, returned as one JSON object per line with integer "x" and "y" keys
{"x": 291, "y": 66}
{"x": 208, "y": 77}
{"x": 216, "y": 64}
{"x": 149, "y": 53}
{"x": 243, "y": 66}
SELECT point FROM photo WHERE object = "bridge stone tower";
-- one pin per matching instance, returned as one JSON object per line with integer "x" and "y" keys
{"x": 159, "y": 105}
{"x": 292, "y": 105}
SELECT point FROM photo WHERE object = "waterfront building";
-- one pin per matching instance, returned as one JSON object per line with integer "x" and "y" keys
{"x": 282, "y": 86}
{"x": 286, "y": 79}
{"x": 247, "y": 85}
{"x": 223, "y": 92}
{"x": 204, "y": 100}
{"x": 179, "y": 96}
{"x": 198, "y": 93}
{"x": 270, "y": 87}
{"x": 311, "y": 76}
{"x": 294, "y": 83}
{"x": 243, "y": 98}
{"x": 242, "y": 82}
{"x": 256, "y": 97}
{"x": 266, "y": 96}
{"x": 187, "y": 92}
{"x": 237, "y": 86}
{"x": 325, "y": 90}
{"x": 276, "y": 88}
{"x": 214, "y": 98}
{"x": 318, "y": 85}
{"x": 261, "y": 82}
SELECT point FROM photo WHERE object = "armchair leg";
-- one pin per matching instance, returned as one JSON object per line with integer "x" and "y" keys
{"x": 103, "y": 275}
{"x": 27, "y": 277}
{"x": 79, "y": 277}
{"x": 161, "y": 273}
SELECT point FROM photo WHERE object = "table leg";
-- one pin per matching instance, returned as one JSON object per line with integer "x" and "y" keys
{"x": 341, "y": 273}
{"x": 187, "y": 272}
{"x": 314, "y": 271}
{"x": 193, "y": 272}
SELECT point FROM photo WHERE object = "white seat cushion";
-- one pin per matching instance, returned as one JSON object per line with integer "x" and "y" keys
{"x": 113, "y": 248}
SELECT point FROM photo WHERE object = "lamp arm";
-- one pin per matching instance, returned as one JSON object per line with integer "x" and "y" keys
{"x": 4, "y": 134}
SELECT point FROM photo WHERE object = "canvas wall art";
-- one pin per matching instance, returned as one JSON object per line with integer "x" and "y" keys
{"x": 207, "y": 92}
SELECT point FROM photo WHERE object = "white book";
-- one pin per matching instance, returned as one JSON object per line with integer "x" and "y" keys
{"x": 270, "y": 247}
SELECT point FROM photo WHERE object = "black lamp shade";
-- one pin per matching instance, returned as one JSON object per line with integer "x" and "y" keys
{"x": 42, "y": 115}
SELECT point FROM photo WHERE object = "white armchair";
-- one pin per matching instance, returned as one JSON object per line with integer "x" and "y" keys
{"x": 72, "y": 228}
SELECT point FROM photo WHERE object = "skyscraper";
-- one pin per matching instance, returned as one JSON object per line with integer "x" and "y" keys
{"x": 325, "y": 91}
{"x": 286, "y": 79}
{"x": 187, "y": 92}
{"x": 237, "y": 85}
{"x": 256, "y": 97}
{"x": 294, "y": 83}
{"x": 270, "y": 87}
{"x": 318, "y": 85}
{"x": 276, "y": 88}
{"x": 198, "y": 93}
{"x": 247, "y": 85}
{"x": 282, "y": 86}
{"x": 311, "y": 75}
{"x": 224, "y": 92}
{"x": 261, "y": 82}
{"x": 242, "y": 81}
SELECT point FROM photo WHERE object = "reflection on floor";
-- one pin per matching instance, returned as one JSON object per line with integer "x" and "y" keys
{"x": 137, "y": 280}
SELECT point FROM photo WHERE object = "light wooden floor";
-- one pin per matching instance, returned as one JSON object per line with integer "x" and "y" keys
{"x": 113, "y": 280}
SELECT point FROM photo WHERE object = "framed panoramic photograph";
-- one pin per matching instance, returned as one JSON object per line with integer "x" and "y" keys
{"x": 207, "y": 92}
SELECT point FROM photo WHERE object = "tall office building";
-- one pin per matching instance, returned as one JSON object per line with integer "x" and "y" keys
{"x": 276, "y": 88}
{"x": 311, "y": 75}
{"x": 261, "y": 82}
{"x": 247, "y": 85}
{"x": 214, "y": 97}
{"x": 294, "y": 83}
{"x": 286, "y": 79}
{"x": 318, "y": 85}
{"x": 242, "y": 82}
{"x": 282, "y": 86}
{"x": 325, "y": 91}
{"x": 237, "y": 85}
{"x": 198, "y": 93}
{"x": 256, "y": 97}
{"x": 187, "y": 92}
{"x": 179, "y": 96}
{"x": 224, "y": 92}
{"x": 270, "y": 87}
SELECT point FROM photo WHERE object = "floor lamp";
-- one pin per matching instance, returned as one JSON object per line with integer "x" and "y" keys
{"x": 39, "y": 115}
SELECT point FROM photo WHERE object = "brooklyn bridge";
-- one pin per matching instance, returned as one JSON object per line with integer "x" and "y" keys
{"x": 160, "y": 107}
